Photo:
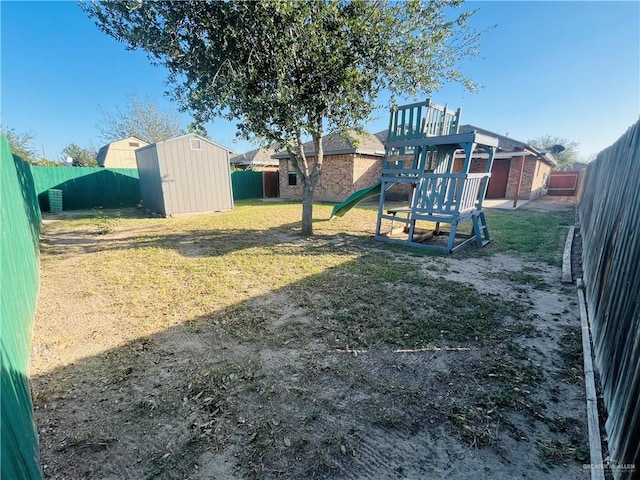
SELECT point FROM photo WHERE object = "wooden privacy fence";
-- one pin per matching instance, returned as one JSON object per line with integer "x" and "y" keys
{"x": 609, "y": 211}
{"x": 564, "y": 183}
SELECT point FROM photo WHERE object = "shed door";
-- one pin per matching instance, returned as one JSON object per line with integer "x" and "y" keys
{"x": 499, "y": 175}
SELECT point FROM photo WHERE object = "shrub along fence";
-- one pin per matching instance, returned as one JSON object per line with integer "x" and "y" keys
{"x": 609, "y": 212}
{"x": 86, "y": 187}
{"x": 19, "y": 277}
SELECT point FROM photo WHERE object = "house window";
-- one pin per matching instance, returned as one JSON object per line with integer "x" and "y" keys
{"x": 293, "y": 176}
{"x": 134, "y": 144}
{"x": 195, "y": 144}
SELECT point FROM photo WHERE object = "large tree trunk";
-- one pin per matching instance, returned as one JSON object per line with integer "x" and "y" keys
{"x": 310, "y": 175}
{"x": 307, "y": 208}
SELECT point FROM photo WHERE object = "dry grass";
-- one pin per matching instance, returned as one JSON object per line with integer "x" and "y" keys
{"x": 180, "y": 345}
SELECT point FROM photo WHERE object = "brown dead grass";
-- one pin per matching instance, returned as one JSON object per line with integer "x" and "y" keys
{"x": 226, "y": 346}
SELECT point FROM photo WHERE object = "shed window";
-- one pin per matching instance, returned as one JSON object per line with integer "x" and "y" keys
{"x": 134, "y": 144}
{"x": 195, "y": 144}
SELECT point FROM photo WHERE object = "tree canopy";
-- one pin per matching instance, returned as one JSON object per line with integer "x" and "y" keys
{"x": 566, "y": 158}
{"x": 21, "y": 144}
{"x": 289, "y": 70}
{"x": 142, "y": 118}
{"x": 81, "y": 157}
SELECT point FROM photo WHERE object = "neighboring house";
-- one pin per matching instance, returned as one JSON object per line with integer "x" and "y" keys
{"x": 185, "y": 174}
{"x": 349, "y": 164}
{"x": 509, "y": 177}
{"x": 121, "y": 153}
{"x": 348, "y": 168}
{"x": 258, "y": 159}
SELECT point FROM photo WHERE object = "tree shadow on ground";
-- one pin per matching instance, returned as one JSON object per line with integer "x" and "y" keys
{"x": 194, "y": 243}
{"x": 305, "y": 381}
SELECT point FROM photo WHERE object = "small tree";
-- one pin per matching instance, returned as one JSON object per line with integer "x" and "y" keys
{"x": 21, "y": 144}
{"x": 290, "y": 69}
{"x": 81, "y": 157}
{"x": 566, "y": 158}
{"x": 141, "y": 118}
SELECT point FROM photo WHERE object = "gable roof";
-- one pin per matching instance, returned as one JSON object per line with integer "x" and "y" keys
{"x": 374, "y": 144}
{"x": 508, "y": 144}
{"x": 258, "y": 156}
{"x": 188, "y": 135}
{"x": 336, "y": 144}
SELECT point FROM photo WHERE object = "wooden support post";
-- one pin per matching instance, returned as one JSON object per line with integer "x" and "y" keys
{"x": 520, "y": 174}
{"x": 468, "y": 154}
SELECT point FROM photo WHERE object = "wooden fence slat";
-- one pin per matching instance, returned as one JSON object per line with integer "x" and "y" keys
{"x": 609, "y": 212}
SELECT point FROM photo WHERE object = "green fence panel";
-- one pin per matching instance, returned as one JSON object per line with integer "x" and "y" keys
{"x": 246, "y": 185}
{"x": 86, "y": 187}
{"x": 19, "y": 278}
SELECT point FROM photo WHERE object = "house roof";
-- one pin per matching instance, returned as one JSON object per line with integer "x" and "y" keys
{"x": 102, "y": 153}
{"x": 374, "y": 144}
{"x": 259, "y": 156}
{"x": 336, "y": 144}
{"x": 507, "y": 144}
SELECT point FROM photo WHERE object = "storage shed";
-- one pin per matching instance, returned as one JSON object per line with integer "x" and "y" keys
{"x": 120, "y": 154}
{"x": 185, "y": 174}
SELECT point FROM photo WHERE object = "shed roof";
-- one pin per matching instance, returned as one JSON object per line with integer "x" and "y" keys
{"x": 336, "y": 144}
{"x": 188, "y": 135}
{"x": 102, "y": 153}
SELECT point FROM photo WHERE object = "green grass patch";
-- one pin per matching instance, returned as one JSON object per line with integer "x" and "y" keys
{"x": 572, "y": 370}
{"x": 535, "y": 235}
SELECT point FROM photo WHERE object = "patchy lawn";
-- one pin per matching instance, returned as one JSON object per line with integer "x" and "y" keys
{"x": 226, "y": 346}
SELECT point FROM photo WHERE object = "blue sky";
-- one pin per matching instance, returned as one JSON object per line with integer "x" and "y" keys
{"x": 568, "y": 69}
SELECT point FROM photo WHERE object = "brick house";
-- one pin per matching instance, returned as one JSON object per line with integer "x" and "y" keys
{"x": 349, "y": 164}
{"x": 509, "y": 177}
{"x": 348, "y": 168}
{"x": 259, "y": 159}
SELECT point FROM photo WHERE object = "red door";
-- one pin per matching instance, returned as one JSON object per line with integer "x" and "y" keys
{"x": 499, "y": 175}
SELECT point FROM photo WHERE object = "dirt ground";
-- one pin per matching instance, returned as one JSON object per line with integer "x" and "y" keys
{"x": 271, "y": 385}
